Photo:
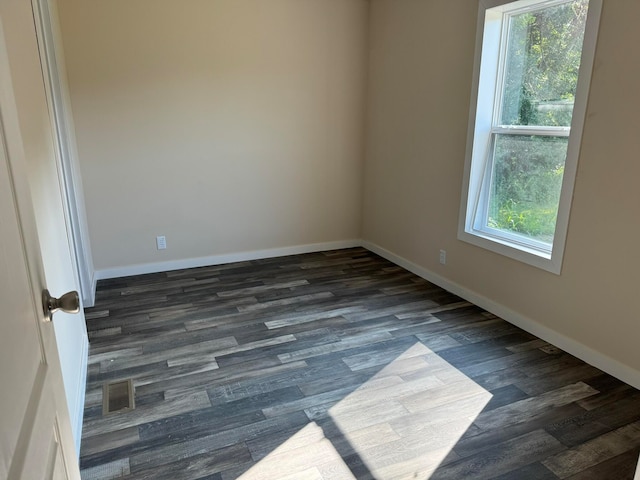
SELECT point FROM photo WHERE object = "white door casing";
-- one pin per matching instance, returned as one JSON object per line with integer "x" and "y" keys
{"x": 35, "y": 435}
{"x": 57, "y": 91}
{"x": 71, "y": 268}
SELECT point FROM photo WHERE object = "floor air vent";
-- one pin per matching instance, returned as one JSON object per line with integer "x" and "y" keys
{"x": 117, "y": 397}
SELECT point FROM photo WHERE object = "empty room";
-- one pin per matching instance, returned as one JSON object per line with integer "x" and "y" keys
{"x": 320, "y": 239}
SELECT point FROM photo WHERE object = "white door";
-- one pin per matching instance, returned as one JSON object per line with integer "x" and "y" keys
{"x": 35, "y": 432}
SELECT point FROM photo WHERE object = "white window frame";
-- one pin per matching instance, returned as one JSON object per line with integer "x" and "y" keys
{"x": 485, "y": 103}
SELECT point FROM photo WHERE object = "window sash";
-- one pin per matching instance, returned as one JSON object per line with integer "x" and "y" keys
{"x": 481, "y": 210}
{"x": 506, "y": 26}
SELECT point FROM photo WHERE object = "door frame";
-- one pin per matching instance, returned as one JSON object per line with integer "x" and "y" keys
{"x": 69, "y": 181}
{"x": 59, "y": 104}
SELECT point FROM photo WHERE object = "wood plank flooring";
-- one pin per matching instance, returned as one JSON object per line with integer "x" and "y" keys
{"x": 338, "y": 365}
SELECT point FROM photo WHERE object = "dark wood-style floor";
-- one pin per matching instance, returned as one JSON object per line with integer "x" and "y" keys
{"x": 338, "y": 365}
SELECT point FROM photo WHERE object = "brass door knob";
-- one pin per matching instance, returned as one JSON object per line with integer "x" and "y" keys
{"x": 69, "y": 302}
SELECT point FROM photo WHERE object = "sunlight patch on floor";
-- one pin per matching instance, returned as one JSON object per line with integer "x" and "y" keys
{"x": 307, "y": 455}
{"x": 401, "y": 424}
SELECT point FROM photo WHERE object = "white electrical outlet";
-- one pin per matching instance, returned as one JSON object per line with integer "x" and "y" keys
{"x": 443, "y": 257}
{"x": 161, "y": 242}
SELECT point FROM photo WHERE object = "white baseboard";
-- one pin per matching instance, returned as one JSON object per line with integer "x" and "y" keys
{"x": 587, "y": 354}
{"x": 78, "y": 416}
{"x": 221, "y": 259}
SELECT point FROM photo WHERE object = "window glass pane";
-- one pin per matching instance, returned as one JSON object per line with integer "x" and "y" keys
{"x": 526, "y": 180}
{"x": 541, "y": 66}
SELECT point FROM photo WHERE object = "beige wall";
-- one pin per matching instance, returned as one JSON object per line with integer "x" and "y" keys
{"x": 226, "y": 125}
{"x": 420, "y": 82}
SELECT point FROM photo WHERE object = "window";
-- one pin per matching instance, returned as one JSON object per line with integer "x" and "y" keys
{"x": 533, "y": 67}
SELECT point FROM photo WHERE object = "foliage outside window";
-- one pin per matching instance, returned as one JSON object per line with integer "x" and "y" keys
{"x": 532, "y": 81}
